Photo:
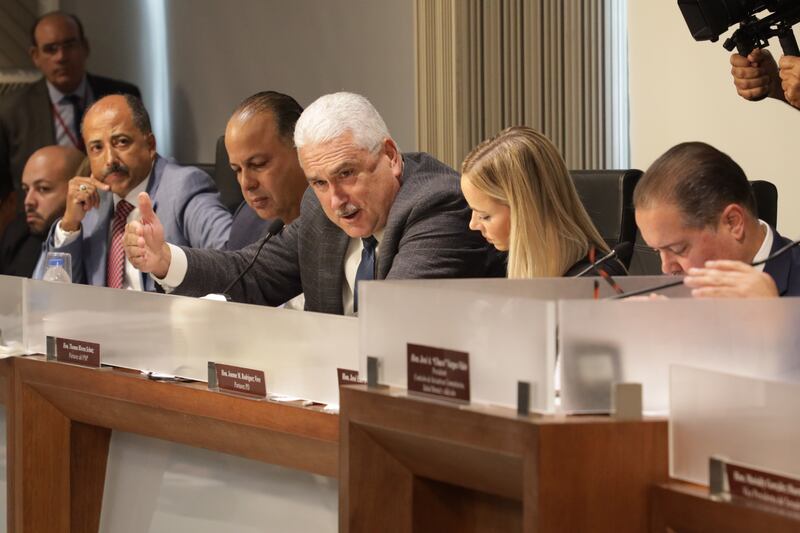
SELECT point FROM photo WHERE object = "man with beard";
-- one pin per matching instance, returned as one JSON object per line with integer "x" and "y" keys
{"x": 124, "y": 162}
{"x": 44, "y": 186}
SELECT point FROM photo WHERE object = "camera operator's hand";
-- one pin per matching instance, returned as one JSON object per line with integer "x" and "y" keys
{"x": 790, "y": 79}
{"x": 756, "y": 76}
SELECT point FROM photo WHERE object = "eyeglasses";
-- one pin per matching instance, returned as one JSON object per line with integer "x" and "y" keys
{"x": 52, "y": 49}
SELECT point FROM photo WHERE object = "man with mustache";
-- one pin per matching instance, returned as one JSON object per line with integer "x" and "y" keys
{"x": 124, "y": 162}
{"x": 44, "y": 184}
{"x": 371, "y": 212}
{"x": 49, "y": 111}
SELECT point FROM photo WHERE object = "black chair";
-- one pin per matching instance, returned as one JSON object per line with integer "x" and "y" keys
{"x": 225, "y": 178}
{"x": 766, "y": 201}
{"x": 607, "y": 196}
{"x": 647, "y": 262}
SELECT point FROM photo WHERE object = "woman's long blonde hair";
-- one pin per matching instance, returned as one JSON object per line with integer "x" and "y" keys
{"x": 550, "y": 229}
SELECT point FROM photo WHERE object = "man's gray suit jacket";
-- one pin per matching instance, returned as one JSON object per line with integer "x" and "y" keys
{"x": 185, "y": 200}
{"x": 426, "y": 236}
{"x": 26, "y": 122}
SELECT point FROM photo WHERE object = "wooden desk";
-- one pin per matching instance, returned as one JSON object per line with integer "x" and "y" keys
{"x": 408, "y": 464}
{"x": 60, "y": 419}
{"x": 685, "y": 507}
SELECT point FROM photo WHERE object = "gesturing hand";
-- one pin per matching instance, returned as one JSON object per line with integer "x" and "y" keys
{"x": 730, "y": 279}
{"x": 144, "y": 241}
{"x": 82, "y": 195}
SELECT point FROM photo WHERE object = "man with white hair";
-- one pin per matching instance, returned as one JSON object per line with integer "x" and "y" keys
{"x": 370, "y": 213}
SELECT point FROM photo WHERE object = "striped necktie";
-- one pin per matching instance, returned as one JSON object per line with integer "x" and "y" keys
{"x": 115, "y": 274}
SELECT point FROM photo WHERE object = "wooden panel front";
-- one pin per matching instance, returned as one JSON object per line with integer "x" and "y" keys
{"x": 408, "y": 464}
{"x": 60, "y": 419}
{"x": 684, "y": 508}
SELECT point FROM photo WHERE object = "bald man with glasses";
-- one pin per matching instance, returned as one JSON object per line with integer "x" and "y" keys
{"x": 50, "y": 110}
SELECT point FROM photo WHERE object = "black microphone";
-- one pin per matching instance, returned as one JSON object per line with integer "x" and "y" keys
{"x": 622, "y": 248}
{"x": 779, "y": 252}
{"x": 274, "y": 228}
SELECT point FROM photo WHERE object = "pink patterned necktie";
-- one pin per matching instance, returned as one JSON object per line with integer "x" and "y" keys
{"x": 115, "y": 273}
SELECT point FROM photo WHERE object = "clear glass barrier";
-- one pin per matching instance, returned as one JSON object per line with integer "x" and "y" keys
{"x": 551, "y": 288}
{"x": 743, "y": 419}
{"x": 157, "y": 486}
{"x": 299, "y": 351}
{"x": 636, "y": 341}
{"x": 11, "y": 313}
{"x": 509, "y": 337}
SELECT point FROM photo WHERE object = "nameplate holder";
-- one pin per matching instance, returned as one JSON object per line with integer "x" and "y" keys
{"x": 523, "y": 398}
{"x": 237, "y": 380}
{"x": 73, "y": 351}
{"x": 373, "y": 364}
{"x": 438, "y": 372}
{"x": 348, "y": 377}
{"x": 626, "y": 401}
{"x": 753, "y": 484}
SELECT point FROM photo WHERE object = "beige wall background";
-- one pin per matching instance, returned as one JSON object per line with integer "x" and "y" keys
{"x": 682, "y": 90}
{"x": 220, "y": 52}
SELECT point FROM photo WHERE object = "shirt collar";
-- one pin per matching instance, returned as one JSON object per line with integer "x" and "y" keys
{"x": 56, "y": 96}
{"x": 379, "y": 235}
{"x": 766, "y": 245}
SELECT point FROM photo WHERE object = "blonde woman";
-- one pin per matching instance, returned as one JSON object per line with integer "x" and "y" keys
{"x": 523, "y": 201}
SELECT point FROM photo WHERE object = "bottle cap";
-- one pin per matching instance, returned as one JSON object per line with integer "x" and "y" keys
{"x": 56, "y": 261}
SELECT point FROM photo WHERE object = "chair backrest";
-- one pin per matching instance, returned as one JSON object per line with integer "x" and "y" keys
{"x": 225, "y": 178}
{"x": 607, "y": 196}
{"x": 766, "y": 201}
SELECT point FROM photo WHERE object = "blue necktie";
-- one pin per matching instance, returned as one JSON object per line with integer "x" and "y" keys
{"x": 366, "y": 268}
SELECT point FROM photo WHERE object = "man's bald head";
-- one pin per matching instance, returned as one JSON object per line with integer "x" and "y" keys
{"x": 59, "y": 50}
{"x": 44, "y": 184}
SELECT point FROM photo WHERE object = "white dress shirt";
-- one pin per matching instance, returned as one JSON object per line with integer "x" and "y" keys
{"x": 766, "y": 246}
{"x": 179, "y": 265}
{"x": 133, "y": 277}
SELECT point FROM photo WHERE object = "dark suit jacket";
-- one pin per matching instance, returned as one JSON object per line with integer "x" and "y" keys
{"x": 247, "y": 228}
{"x": 426, "y": 236}
{"x": 26, "y": 122}
{"x": 785, "y": 270}
{"x": 19, "y": 249}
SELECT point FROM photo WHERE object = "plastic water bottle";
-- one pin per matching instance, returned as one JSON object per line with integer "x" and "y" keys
{"x": 55, "y": 271}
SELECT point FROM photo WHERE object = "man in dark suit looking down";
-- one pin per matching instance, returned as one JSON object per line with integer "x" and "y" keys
{"x": 695, "y": 207}
{"x": 260, "y": 145}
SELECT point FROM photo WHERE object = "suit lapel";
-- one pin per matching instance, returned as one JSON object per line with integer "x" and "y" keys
{"x": 41, "y": 114}
{"x": 97, "y": 249}
{"x": 332, "y": 249}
